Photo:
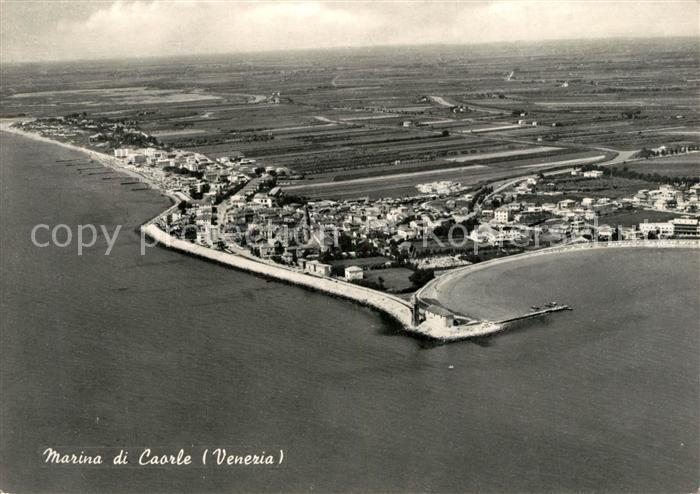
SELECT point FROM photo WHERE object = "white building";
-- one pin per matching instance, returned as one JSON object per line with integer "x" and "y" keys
{"x": 439, "y": 317}
{"x": 605, "y": 231}
{"x": 263, "y": 200}
{"x": 316, "y": 267}
{"x": 353, "y": 273}
{"x": 137, "y": 159}
{"x": 686, "y": 227}
{"x": 122, "y": 152}
{"x": 151, "y": 152}
{"x": 665, "y": 229}
{"x": 566, "y": 204}
{"x": 502, "y": 215}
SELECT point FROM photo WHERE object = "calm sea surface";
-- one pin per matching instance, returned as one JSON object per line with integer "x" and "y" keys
{"x": 168, "y": 352}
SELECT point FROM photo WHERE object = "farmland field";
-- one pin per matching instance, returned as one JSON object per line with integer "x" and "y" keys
{"x": 670, "y": 166}
{"x": 377, "y": 122}
{"x": 402, "y": 184}
{"x": 122, "y": 96}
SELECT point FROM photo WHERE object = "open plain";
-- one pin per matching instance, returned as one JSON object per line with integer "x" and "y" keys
{"x": 404, "y": 115}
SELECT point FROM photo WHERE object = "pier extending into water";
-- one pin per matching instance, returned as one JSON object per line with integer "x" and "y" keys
{"x": 536, "y": 313}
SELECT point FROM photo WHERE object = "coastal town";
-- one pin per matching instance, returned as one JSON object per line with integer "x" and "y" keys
{"x": 336, "y": 246}
{"x": 234, "y": 203}
{"x": 238, "y": 206}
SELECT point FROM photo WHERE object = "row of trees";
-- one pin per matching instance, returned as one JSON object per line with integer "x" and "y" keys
{"x": 625, "y": 172}
{"x": 648, "y": 153}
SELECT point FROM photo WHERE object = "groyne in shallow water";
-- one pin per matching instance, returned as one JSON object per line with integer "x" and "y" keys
{"x": 538, "y": 313}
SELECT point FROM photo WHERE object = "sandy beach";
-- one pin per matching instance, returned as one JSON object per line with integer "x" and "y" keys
{"x": 443, "y": 287}
{"x": 102, "y": 158}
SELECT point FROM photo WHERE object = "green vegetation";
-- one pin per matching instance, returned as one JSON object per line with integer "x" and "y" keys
{"x": 626, "y": 172}
{"x": 183, "y": 171}
{"x": 673, "y": 166}
{"x": 421, "y": 276}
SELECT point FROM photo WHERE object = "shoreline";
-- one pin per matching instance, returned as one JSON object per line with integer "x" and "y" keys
{"x": 395, "y": 307}
{"x": 103, "y": 158}
{"x": 435, "y": 288}
{"x": 399, "y": 309}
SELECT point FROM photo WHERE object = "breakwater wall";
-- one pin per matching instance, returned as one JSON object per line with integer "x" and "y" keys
{"x": 399, "y": 309}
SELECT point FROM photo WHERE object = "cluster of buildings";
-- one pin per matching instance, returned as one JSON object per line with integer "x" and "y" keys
{"x": 684, "y": 227}
{"x": 194, "y": 173}
{"x": 577, "y": 172}
{"x": 670, "y": 150}
{"x": 171, "y": 170}
{"x": 260, "y": 220}
{"x": 51, "y": 128}
{"x": 96, "y": 133}
{"x": 440, "y": 262}
{"x": 443, "y": 187}
{"x": 668, "y": 198}
{"x": 518, "y": 221}
{"x": 233, "y": 203}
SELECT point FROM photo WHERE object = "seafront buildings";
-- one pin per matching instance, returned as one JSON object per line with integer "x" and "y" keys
{"x": 235, "y": 204}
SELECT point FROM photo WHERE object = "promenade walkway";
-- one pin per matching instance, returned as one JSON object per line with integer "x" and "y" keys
{"x": 398, "y": 308}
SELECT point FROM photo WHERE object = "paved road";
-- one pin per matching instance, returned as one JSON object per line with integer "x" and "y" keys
{"x": 622, "y": 156}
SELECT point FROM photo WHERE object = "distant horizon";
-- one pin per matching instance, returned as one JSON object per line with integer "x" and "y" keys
{"x": 350, "y": 48}
{"x": 41, "y": 31}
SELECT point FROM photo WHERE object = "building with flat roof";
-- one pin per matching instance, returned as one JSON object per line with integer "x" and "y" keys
{"x": 502, "y": 214}
{"x": 439, "y": 316}
{"x": 354, "y": 273}
{"x": 122, "y": 152}
{"x": 686, "y": 227}
{"x": 663, "y": 230}
{"x": 317, "y": 267}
